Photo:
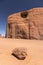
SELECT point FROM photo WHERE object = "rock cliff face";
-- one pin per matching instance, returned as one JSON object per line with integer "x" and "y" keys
{"x": 26, "y": 25}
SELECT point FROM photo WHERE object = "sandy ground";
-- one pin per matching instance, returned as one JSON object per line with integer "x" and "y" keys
{"x": 34, "y": 51}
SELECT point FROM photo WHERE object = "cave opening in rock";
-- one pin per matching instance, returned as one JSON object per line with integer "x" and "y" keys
{"x": 24, "y": 14}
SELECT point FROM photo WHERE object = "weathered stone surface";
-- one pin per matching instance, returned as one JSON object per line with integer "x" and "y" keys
{"x": 20, "y": 53}
{"x": 26, "y": 25}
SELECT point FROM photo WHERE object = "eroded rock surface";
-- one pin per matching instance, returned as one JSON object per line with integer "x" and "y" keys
{"x": 20, "y": 53}
{"x": 26, "y": 25}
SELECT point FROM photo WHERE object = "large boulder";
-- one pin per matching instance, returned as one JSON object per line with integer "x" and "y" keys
{"x": 20, "y": 53}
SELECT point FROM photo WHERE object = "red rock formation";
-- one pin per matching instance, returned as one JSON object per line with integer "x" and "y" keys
{"x": 26, "y": 25}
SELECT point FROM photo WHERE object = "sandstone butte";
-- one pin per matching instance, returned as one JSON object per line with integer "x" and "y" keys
{"x": 26, "y": 24}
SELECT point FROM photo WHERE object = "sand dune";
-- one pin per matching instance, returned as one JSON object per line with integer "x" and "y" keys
{"x": 34, "y": 51}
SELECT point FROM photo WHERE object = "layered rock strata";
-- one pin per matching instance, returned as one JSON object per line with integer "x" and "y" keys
{"x": 26, "y": 24}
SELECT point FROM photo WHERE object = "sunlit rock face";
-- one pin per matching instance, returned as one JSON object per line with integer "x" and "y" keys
{"x": 26, "y": 24}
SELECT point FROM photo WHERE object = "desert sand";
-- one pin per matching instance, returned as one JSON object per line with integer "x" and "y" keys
{"x": 34, "y": 52}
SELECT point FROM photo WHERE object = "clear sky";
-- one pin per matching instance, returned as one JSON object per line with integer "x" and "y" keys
{"x": 8, "y": 7}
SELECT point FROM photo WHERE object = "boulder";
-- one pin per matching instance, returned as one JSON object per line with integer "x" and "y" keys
{"x": 20, "y": 53}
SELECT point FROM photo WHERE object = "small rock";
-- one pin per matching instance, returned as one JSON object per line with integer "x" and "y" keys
{"x": 20, "y": 53}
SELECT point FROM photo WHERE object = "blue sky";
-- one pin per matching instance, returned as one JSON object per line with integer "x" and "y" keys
{"x": 8, "y": 7}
